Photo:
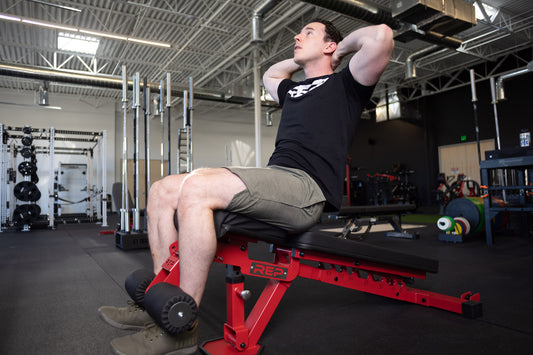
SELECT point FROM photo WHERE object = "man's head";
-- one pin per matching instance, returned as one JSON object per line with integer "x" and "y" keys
{"x": 317, "y": 41}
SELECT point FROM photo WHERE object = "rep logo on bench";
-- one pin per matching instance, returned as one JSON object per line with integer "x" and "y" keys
{"x": 267, "y": 270}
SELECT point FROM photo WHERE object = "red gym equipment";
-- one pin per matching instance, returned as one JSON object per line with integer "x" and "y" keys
{"x": 312, "y": 255}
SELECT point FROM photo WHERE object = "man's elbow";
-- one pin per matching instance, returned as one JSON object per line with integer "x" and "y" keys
{"x": 385, "y": 36}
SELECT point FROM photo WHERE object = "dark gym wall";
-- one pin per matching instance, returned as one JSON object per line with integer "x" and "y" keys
{"x": 452, "y": 113}
{"x": 379, "y": 146}
{"x": 445, "y": 118}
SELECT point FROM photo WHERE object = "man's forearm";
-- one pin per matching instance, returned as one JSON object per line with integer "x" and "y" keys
{"x": 282, "y": 70}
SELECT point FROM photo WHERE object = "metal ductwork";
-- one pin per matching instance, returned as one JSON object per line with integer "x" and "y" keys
{"x": 106, "y": 81}
{"x": 360, "y": 10}
{"x": 499, "y": 83}
{"x": 434, "y": 21}
{"x": 410, "y": 69}
{"x": 257, "y": 20}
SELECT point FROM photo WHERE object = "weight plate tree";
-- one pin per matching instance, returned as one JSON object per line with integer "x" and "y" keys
{"x": 27, "y": 190}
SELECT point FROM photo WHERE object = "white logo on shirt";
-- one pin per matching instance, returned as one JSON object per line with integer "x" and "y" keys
{"x": 301, "y": 90}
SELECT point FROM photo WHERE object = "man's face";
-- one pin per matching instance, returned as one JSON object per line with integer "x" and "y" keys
{"x": 310, "y": 43}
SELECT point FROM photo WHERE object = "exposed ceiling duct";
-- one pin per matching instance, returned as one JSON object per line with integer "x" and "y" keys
{"x": 258, "y": 19}
{"x": 499, "y": 83}
{"x": 358, "y": 9}
{"x": 410, "y": 69}
{"x": 107, "y": 81}
{"x": 430, "y": 20}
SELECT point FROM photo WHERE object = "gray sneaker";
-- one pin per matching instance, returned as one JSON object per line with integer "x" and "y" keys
{"x": 132, "y": 317}
{"x": 154, "y": 340}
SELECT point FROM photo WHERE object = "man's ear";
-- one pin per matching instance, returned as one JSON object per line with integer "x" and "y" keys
{"x": 330, "y": 48}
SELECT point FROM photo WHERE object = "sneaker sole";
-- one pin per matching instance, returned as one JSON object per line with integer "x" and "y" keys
{"x": 184, "y": 351}
{"x": 119, "y": 325}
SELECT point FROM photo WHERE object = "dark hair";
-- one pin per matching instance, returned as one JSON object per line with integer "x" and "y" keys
{"x": 332, "y": 33}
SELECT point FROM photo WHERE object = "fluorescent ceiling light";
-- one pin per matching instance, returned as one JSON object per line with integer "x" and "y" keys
{"x": 56, "y": 5}
{"x": 102, "y": 34}
{"x": 152, "y": 43}
{"x": 77, "y": 43}
{"x": 10, "y": 18}
{"x": 47, "y": 24}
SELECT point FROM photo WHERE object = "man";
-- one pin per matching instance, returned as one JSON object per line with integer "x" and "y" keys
{"x": 304, "y": 174}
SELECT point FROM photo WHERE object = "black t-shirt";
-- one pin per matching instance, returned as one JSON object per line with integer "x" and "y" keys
{"x": 317, "y": 126}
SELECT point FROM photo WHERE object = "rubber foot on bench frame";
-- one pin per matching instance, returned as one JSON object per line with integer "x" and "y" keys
{"x": 472, "y": 309}
{"x": 222, "y": 347}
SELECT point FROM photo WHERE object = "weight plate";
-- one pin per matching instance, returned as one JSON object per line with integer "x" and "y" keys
{"x": 27, "y": 168}
{"x": 22, "y": 215}
{"x": 35, "y": 210}
{"x": 27, "y": 140}
{"x": 26, "y": 152}
{"x": 27, "y": 191}
{"x": 26, "y": 130}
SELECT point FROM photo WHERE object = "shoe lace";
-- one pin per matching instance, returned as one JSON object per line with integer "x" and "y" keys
{"x": 133, "y": 307}
{"x": 152, "y": 331}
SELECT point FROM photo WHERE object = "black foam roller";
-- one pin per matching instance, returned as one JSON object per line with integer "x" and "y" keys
{"x": 136, "y": 284}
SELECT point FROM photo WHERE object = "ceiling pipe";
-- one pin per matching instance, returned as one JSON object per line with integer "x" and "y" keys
{"x": 107, "y": 81}
{"x": 410, "y": 69}
{"x": 257, "y": 20}
{"x": 499, "y": 83}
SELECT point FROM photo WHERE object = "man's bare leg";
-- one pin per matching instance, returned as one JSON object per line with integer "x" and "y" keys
{"x": 195, "y": 197}
{"x": 161, "y": 207}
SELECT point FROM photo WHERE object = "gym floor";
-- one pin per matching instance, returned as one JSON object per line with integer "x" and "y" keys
{"x": 53, "y": 281}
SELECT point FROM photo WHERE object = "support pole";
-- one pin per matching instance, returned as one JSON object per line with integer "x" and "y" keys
{"x": 257, "y": 108}
{"x": 474, "y": 103}
{"x": 124, "y": 211}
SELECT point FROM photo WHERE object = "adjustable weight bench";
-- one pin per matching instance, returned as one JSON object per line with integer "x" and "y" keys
{"x": 390, "y": 213}
{"x": 312, "y": 255}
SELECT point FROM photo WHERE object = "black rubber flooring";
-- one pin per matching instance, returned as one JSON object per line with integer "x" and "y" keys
{"x": 53, "y": 281}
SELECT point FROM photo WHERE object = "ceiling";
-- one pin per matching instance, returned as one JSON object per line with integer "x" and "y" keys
{"x": 210, "y": 42}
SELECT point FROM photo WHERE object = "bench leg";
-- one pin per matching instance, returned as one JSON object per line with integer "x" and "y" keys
{"x": 240, "y": 336}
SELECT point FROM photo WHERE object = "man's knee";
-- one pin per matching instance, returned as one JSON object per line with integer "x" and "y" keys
{"x": 164, "y": 192}
{"x": 207, "y": 188}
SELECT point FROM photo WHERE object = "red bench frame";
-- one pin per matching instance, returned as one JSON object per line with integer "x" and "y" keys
{"x": 242, "y": 334}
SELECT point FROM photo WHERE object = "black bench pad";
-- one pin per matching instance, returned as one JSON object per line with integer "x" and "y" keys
{"x": 226, "y": 222}
{"x": 372, "y": 210}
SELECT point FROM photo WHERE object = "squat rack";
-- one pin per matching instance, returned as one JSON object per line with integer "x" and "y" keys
{"x": 96, "y": 167}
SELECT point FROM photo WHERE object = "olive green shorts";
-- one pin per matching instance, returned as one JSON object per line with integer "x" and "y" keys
{"x": 285, "y": 197}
